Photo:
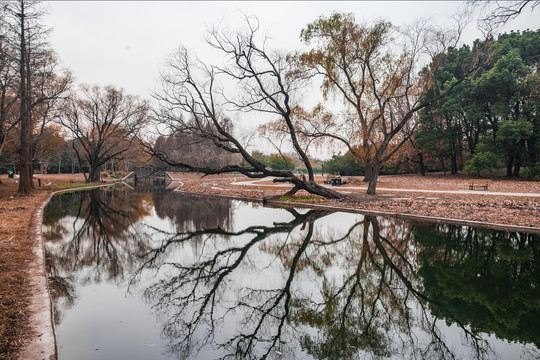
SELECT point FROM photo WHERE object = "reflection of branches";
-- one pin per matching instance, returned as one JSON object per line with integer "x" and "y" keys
{"x": 371, "y": 309}
{"x": 246, "y": 342}
{"x": 106, "y": 217}
{"x": 478, "y": 343}
{"x": 376, "y": 304}
{"x": 195, "y": 289}
{"x": 307, "y": 285}
{"x": 99, "y": 238}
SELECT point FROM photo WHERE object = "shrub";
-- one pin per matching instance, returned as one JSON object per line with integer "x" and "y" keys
{"x": 532, "y": 172}
{"x": 481, "y": 161}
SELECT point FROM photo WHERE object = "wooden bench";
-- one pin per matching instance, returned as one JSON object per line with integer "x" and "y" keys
{"x": 479, "y": 183}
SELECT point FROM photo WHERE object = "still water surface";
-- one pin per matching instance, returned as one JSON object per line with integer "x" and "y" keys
{"x": 152, "y": 274}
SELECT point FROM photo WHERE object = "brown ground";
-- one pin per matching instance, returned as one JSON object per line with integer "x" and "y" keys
{"x": 16, "y": 236}
{"x": 16, "y": 243}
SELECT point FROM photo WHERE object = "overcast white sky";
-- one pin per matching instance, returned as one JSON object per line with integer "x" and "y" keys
{"x": 124, "y": 43}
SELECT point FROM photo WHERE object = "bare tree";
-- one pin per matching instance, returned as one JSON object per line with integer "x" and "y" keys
{"x": 103, "y": 123}
{"x": 39, "y": 85}
{"x": 8, "y": 80}
{"x": 193, "y": 101}
{"x": 494, "y": 14}
{"x": 25, "y": 32}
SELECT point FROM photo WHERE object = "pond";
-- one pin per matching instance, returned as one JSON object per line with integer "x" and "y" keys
{"x": 154, "y": 274}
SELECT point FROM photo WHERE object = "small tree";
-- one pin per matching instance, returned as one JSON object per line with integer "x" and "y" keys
{"x": 103, "y": 123}
{"x": 50, "y": 147}
{"x": 513, "y": 135}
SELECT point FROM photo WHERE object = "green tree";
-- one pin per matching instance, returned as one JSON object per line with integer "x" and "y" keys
{"x": 483, "y": 160}
{"x": 504, "y": 92}
{"x": 345, "y": 165}
{"x": 281, "y": 162}
{"x": 513, "y": 135}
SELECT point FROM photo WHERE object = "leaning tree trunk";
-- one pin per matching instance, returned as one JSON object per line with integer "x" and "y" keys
{"x": 323, "y": 191}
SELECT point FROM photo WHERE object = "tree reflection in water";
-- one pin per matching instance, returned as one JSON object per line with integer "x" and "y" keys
{"x": 95, "y": 235}
{"x": 487, "y": 280}
{"x": 316, "y": 285}
{"x": 341, "y": 293}
{"x": 96, "y": 243}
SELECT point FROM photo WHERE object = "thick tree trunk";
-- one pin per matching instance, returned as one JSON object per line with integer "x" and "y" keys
{"x": 509, "y": 164}
{"x": 25, "y": 176}
{"x": 309, "y": 186}
{"x": 94, "y": 175}
{"x": 25, "y": 160}
{"x": 325, "y": 192}
{"x": 368, "y": 172}
{"x": 375, "y": 168}
{"x": 517, "y": 165}
{"x": 421, "y": 164}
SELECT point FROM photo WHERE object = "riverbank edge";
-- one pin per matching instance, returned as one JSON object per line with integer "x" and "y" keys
{"x": 411, "y": 217}
{"x": 43, "y": 345}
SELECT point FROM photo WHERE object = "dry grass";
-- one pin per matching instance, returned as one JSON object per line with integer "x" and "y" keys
{"x": 16, "y": 242}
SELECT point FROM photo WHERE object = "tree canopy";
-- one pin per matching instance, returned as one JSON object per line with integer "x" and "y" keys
{"x": 497, "y": 107}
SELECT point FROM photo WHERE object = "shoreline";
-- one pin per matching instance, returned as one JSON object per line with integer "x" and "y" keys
{"x": 411, "y": 217}
{"x": 43, "y": 346}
